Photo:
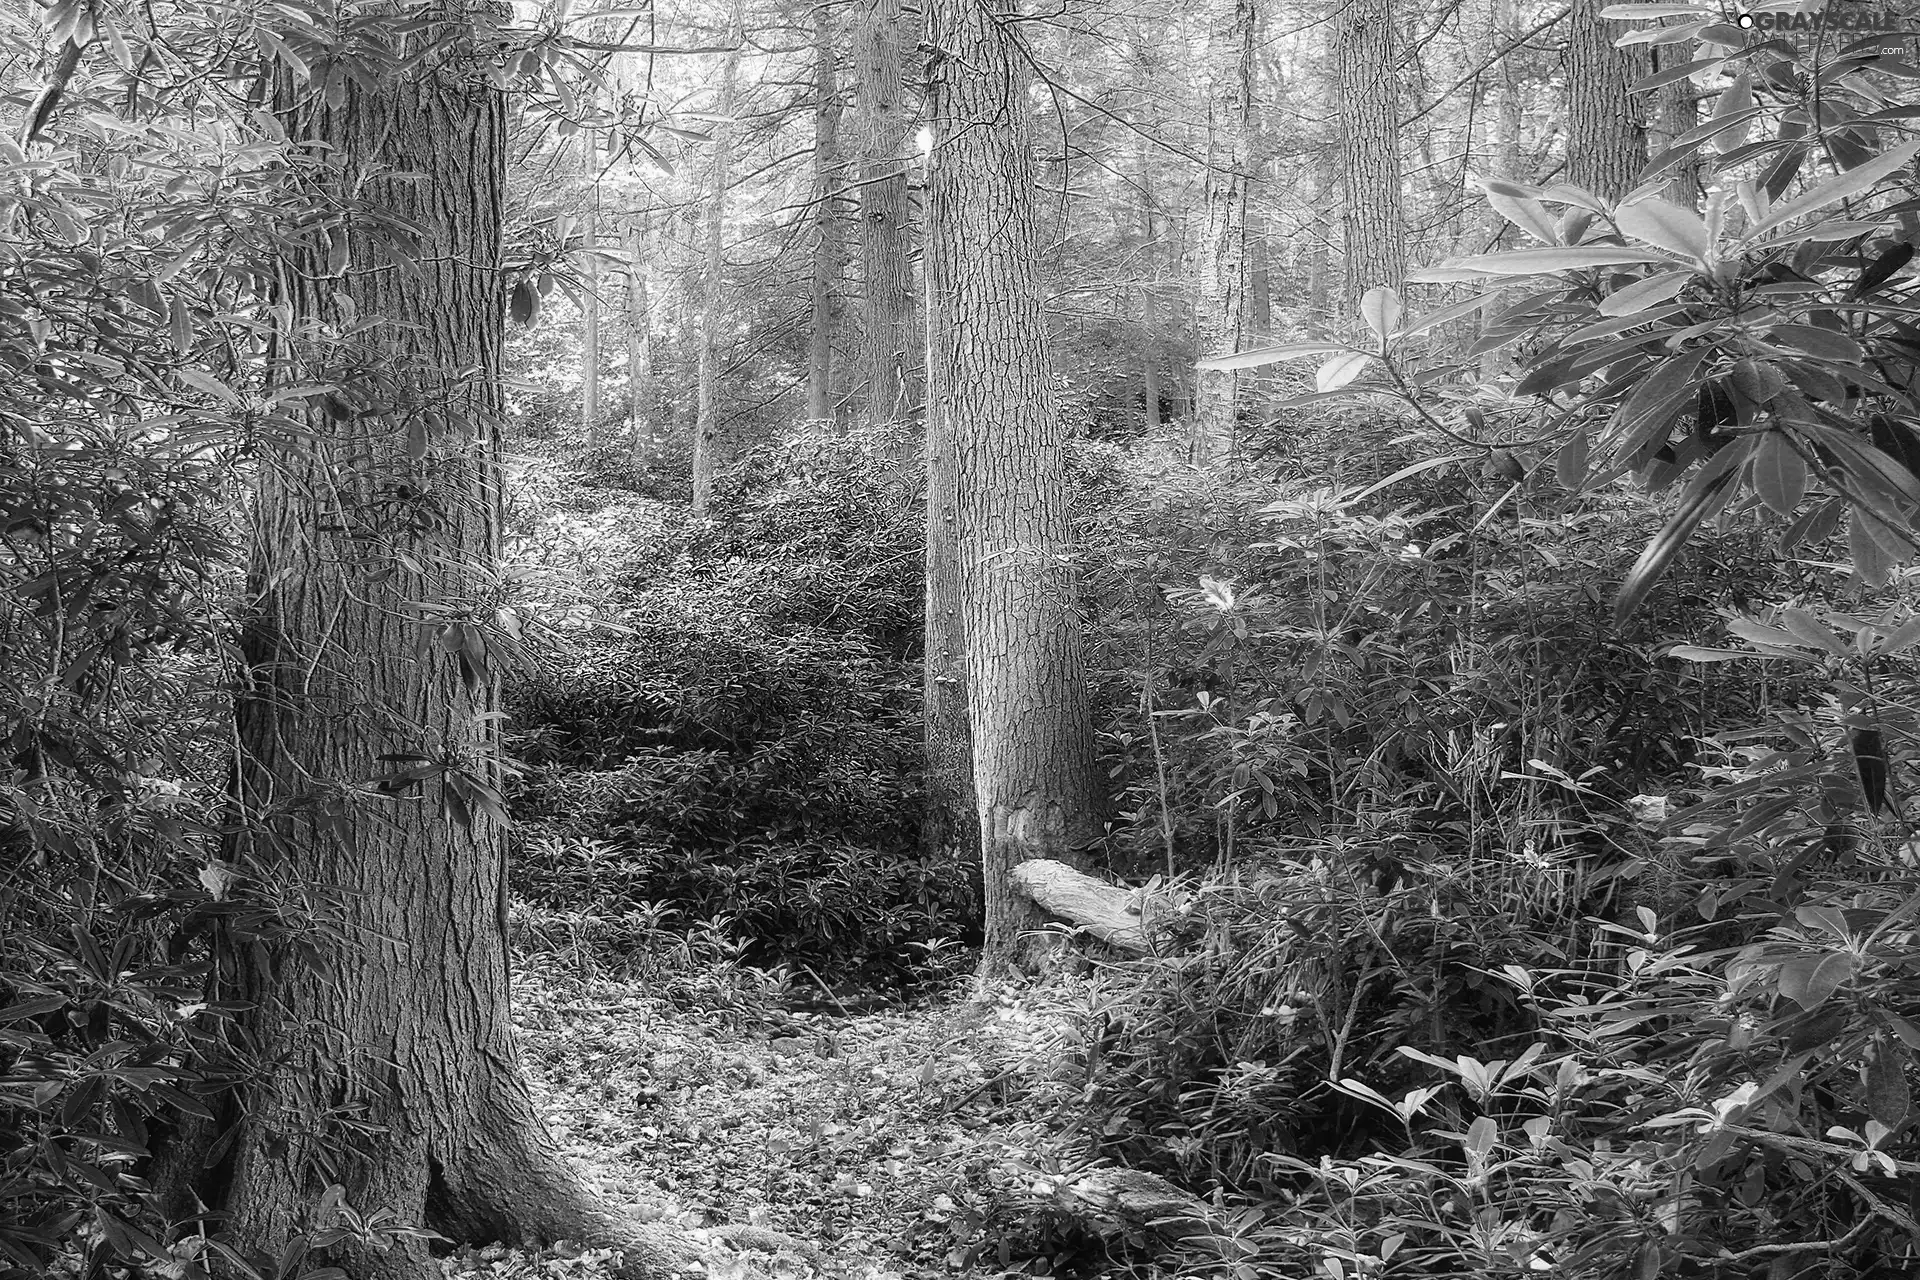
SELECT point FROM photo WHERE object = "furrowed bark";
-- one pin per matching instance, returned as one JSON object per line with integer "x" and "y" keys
{"x": 375, "y": 1059}
{"x": 993, "y": 378}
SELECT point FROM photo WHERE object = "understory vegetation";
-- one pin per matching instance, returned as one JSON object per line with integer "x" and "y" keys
{"x": 1490, "y": 938}
{"x": 1505, "y": 723}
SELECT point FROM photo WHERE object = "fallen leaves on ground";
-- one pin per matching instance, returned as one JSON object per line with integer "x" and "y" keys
{"x": 859, "y": 1135}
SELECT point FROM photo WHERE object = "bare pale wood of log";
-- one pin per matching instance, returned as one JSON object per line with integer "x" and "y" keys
{"x": 1108, "y": 912}
{"x": 1112, "y": 1201}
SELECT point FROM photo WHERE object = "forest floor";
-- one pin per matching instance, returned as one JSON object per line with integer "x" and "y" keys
{"x": 876, "y": 1137}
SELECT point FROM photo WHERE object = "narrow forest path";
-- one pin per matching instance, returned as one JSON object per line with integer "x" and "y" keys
{"x": 874, "y": 1137}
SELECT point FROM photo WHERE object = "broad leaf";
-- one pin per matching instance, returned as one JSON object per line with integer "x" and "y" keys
{"x": 1380, "y": 308}
{"x": 1888, "y": 1098}
{"x": 1667, "y": 226}
{"x": 1570, "y": 465}
{"x": 1902, "y": 638}
{"x": 1882, "y": 269}
{"x": 1809, "y": 980}
{"x": 1414, "y": 469}
{"x": 1695, "y": 653}
{"x": 1269, "y": 355}
{"x": 1339, "y": 371}
{"x": 1444, "y": 315}
{"x": 1851, "y": 183}
{"x": 1705, "y": 496}
{"x": 1869, "y": 748}
{"x": 1649, "y": 292}
{"x": 1736, "y": 109}
{"x": 1779, "y": 473}
{"x": 1529, "y": 215}
{"x": 1533, "y": 262}
{"x": 1815, "y": 341}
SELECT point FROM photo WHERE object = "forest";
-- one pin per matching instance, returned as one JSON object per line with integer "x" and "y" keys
{"x": 905, "y": 639}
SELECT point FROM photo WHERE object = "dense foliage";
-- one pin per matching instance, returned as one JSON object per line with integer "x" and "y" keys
{"x": 739, "y": 739}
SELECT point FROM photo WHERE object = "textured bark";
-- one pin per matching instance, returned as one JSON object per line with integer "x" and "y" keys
{"x": 639, "y": 340}
{"x": 828, "y": 253}
{"x": 1367, "y": 59}
{"x": 378, "y": 1052}
{"x": 1223, "y": 281}
{"x": 1032, "y": 729}
{"x": 590, "y": 317}
{"x": 707, "y": 442}
{"x": 1606, "y": 129}
{"x": 890, "y": 364}
{"x": 1676, "y": 110}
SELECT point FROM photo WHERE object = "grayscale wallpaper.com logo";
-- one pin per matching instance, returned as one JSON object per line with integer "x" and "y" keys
{"x": 1839, "y": 18}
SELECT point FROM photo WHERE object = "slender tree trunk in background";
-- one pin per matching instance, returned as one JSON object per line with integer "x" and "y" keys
{"x": 1149, "y": 360}
{"x": 1149, "y": 258}
{"x": 707, "y": 443}
{"x": 993, "y": 384}
{"x": 891, "y": 373}
{"x": 1367, "y": 60}
{"x": 639, "y": 340}
{"x": 1259, "y": 325}
{"x": 589, "y": 247}
{"x": 1606, "y": 130}
{"x": 1224, "y": 270}
{"x": 391, "y": 1069}
{"x": 950, "y": 828}
{"x": 1505, "y": 124}
{"x": 827, "y": 250}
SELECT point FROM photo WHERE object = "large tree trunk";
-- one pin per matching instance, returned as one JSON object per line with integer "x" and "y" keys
{"x": 1224, "y": 267}
{"x": 1606, "y": 128}
{"x": 707, "y": 442}
{"x": 826, "y": 222}
{"x": 1032, "y": 729}
{"x": 379, "y": 1055}
{"x": 1367, "y": 59}
{"x": 891, "y": 374}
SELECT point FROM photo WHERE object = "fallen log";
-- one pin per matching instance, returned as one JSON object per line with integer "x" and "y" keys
{"x": 1115, "y": 1201}
{"x": 1108, "y": 912}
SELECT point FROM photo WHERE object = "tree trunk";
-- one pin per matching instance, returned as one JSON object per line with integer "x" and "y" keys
{"x": 891, "y": 374}
{"x": 589, "y": 247}
{"x": 1149, "y": 262}
{"x": 1224, "y": 273}
{"x": 639, "y": 340}
{"x": 379, "y": 1055}
{"x": 1505, "y": 124}
{"x": 1367, "y": 59}
{"x": 1606, "y": 130}
{"x": 993, "y": 381}
{"x": 1259, "y": 325}
{"x": 1676, "y": 110}
{"x": 707, "y": 443}
{"x": 827, "y": 250}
